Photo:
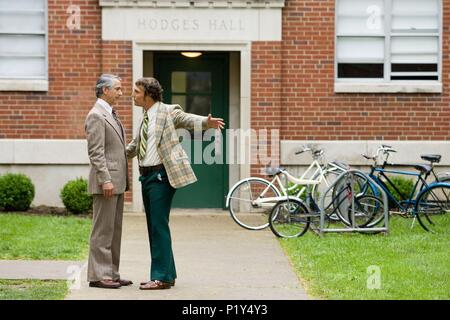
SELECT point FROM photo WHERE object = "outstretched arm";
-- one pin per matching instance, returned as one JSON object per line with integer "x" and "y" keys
{"x": 189, "y": 121}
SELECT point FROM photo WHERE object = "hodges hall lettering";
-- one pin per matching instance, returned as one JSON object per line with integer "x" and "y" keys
{"x": 189, "y": 25}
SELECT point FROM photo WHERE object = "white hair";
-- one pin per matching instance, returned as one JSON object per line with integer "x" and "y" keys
{"x": 105, "y": 80}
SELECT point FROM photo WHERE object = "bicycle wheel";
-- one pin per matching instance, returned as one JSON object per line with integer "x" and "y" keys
{"x": 432, "y": 205}
{"x": 289, "y": 219}
{"x": 247, "y": 206}
{"x": 355, "y": 184}
{"x": 369, "y": 211}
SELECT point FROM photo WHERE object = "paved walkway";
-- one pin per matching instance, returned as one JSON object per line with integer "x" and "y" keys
{"x": 42, "y": 270}
{"x": 215, "y": 259}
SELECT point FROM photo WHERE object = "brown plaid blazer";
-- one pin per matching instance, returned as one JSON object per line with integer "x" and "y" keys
{"x": 174, "y": 158}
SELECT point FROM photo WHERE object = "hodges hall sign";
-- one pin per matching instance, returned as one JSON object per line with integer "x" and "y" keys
{"x": 177, "y": 24}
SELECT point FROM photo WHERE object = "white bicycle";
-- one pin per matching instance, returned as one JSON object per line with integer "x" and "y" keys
{"x": 251, "y": 200}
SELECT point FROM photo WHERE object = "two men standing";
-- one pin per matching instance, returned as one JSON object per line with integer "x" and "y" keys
{"x": 163, "y": 166}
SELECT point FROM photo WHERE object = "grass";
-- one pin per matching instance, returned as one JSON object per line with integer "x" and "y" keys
{"x": 32, "y": 290}
{"x": 25, "y": 237}
{"x": 411, "y": 263}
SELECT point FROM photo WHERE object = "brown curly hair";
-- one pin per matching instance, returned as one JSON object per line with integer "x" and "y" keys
{"x": 152, "y": 88}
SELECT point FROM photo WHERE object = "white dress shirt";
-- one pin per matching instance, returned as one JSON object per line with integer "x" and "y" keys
{"x": 151, "y": 156}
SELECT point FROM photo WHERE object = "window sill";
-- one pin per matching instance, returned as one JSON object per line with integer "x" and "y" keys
{"x": 398, "y": 87}
{"x": 23, "y": 85}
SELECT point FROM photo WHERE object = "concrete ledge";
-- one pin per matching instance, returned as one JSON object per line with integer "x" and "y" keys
{"x": 350, "y": 151}
{"x": 397, "y": 87}
{"x": 29, "y": 151}
{"x": 23, "y": 85}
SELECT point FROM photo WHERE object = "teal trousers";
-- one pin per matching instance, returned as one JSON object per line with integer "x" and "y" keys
{"x": 157, "y": 195}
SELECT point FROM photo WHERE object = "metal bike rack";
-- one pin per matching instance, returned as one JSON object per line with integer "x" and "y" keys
{"x": 350, "y": 174}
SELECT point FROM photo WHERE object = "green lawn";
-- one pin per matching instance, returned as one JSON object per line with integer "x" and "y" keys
{"x": 413, "y": 264}
{"x": 26, "y": 237}
{"x": 32, "y": 290}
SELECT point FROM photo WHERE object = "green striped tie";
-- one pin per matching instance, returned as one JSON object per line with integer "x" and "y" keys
{"x": 144, "y": 137}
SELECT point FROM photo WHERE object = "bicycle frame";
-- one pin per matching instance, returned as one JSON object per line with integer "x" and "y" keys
{"x": 317, "y": 177}
{"x": 407, "y": 201}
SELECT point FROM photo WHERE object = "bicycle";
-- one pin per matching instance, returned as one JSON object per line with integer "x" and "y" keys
{"x": 291, "y": 218}
{"x": 425, "y": 202}
{"x": 250, "y": 200}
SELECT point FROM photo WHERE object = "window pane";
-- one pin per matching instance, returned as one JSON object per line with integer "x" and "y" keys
{"x": 415, "y": 15}
{"x": 411, "y": 7}
{"x": 414, "y": 78}
{"x": 200, "y": 105}
{"x": 414, "y": 67}
{"x": 179, "y": 99}
{"x": 414, "y": 49}
{"x": 415, "y": 24}
{"x": 22, "y": 4}
{"x": 22, "y": 45}
{"x": 358, "y": 7}
{"x": 179, "y": 81}
{"x": 361, "y": 70}
{"x": 22, "y": 22}
{"x": 199, "y": 82}
{"x": 360, "y": 49}
{"x": 22, "y": 67}
{"x": 365, "y": 17}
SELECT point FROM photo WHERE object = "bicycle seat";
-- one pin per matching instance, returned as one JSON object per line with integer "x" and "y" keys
{"x": 272, "y": 171}
{"x": 434, "y": 158}
{"x": 424, "y": 168}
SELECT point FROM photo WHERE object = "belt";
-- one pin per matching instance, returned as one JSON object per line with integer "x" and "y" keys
{"x": 148, "y": 170}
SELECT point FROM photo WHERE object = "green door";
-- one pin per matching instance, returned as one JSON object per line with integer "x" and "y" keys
{"x": 200, "y": 86}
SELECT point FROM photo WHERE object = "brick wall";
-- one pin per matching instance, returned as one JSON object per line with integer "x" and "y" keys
{"x": 76, "y": 59}
{"x": 312, "y": 111}
{"x": 266, "y": 101}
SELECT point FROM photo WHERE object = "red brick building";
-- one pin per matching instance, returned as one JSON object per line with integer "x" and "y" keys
{"x": 343, "y": 74}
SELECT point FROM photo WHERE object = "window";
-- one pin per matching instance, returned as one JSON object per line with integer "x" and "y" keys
{"x": 388, "y": 41}
{"x": 23, "y": 41}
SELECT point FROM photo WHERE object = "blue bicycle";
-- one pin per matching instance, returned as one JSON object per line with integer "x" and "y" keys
{"x": 427, "y": 202}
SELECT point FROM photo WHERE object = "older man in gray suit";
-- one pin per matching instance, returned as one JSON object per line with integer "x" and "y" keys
{"x": 108, "y": 180}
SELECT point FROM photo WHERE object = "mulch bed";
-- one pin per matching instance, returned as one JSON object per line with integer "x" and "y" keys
{"x": 53, "y": 211}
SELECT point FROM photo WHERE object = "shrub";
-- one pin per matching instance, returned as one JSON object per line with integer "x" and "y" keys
{"x": 404, "y": 185}
{"x": 16, "y": 192}
{"x": 75, "y": 196}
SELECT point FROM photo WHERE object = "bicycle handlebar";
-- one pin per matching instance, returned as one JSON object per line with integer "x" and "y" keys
{"x": 315, "y": 152}
{"x": 385, "y": 149}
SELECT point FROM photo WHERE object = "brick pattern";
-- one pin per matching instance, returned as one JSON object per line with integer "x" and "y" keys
{"x": 315, "y": 112}
{"x": 266, "y": 102}
{"x": 76, "y": 59}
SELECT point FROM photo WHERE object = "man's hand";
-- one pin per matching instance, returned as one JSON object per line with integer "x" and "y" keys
{"x": 216, "y": 123}
{"x": 108, "y": 189}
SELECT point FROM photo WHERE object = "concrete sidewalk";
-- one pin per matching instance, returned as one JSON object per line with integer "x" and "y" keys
{"x": 39, "y": 269}
{"x": 215, "y": 259}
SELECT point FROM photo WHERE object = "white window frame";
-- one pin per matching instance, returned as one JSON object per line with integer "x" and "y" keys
{"x": 31, "y": 83}
{"x": 386, "y": 85}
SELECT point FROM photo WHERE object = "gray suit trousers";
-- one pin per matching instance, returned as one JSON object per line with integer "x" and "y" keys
{"x": 106, "y": 235}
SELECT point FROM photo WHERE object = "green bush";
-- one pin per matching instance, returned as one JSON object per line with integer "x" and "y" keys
{"x": 16, "y": 192}
{"x": 404, "y": 185}
{"x": 75, "y": 196}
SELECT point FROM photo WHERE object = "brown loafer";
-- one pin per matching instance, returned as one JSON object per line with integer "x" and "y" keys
{"x": 124, "y": 282}
{"x": 155, "y": 285}
{"x": 172, "y": 283}
{"x": 105, "y": 284}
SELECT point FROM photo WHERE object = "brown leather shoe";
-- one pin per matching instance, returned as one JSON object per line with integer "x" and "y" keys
{"x": 105, "y": 284}
{"x": 172, "y": 283}
{"x": 155, "y": 285}
{"x": 124, "y": 282}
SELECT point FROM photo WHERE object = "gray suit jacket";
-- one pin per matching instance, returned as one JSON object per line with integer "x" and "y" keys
{"x": 107, "y": 153}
